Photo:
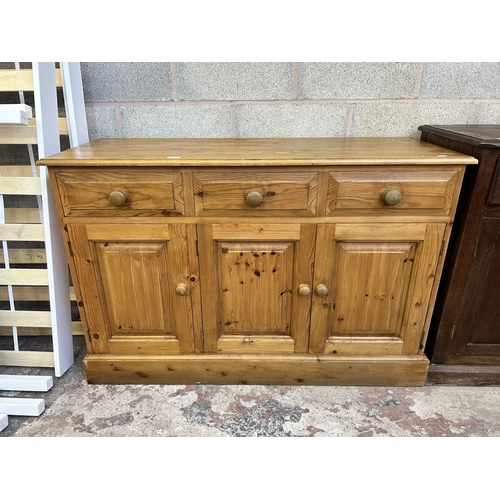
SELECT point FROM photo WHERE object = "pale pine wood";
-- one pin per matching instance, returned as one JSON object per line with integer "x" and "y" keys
{"x": 321, "y": 221}
{"x": 409, "y": 216}
{"x": 302, "y": 274}
{"x": 25, "y": 318}
{"x": 24, "y": 277}
{"x": 379, "y": 282}
{"x": 128, "y": 273}
{"x": 209, "y": 289}
{"x": 254, "y": 292}
{"x": 29, "y": 293}
{"x": 264, "y": 152}
{"x": 25, "y": 256}
{"x": 429, "y": 191}
{"x": 22, "y": 232}
{"x": 144, "y": 345}
{"x": 77, "y": 328}
{"x": 25, "y": 293}
{"x": 12, "y": 80}
{"x": 20, "y": 186}
{"x": 322, "y": 193}
{"x": 380, "y": 232}
{"x": 417, "y": 307}
{"x": 17, "y": 171}
{"x": 26, "y": 134}
{"x": 287, "y": 193}
{"x": 257, "y": 231}
{"x": 255, "y": 284}
{"x": 86, "y": 290}
{"x": 128, "y": 232}
{"x": 369, "y": 287}
{"x": 257, "y": 369}
{"x": 255, "y": 344}
{"x": 435, "y": 286}
{"x": 27, "y": 358}
{"x": 130, "y": 267}
{"x": 22, "y": 216}
{"x": 360, "y": 346}
{"x": 177, "y": 271}
{"x": 6, "y": 331}
{"x": 322, "y": 307}
{"x": 195, "y": 288}
{"x": 155, "y": 192}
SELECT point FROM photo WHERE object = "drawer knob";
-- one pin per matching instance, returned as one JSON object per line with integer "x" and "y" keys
{"x": 304, "y": 290}
{"x": 118, "y": 197}
{"x": 321, "y": 290}
{"x": 392, "y": 196}
{"x": 254, "y": 198}
{"x": 181, "y": 289}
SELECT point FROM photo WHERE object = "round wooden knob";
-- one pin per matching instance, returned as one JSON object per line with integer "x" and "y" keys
{"x": 118, "y": 197}
{"x": 321, "y": 290}
{"x": 181, "y": 289}
{"x": 304, "y": 290}
{"x": 392, "y": 196}
{"x": 254, "y": 198}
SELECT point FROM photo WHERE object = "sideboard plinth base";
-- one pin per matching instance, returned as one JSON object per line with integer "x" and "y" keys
{"x": 256, "y": 370}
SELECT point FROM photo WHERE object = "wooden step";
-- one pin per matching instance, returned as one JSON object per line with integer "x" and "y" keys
{"x": 12, "y": 80}
{"x": 25, "y": 318}
{"x": 26, "y": 134}
{"x": 27, "y": 358}
{"x": 17, "y": 171}
{"x": 22, "y": 216}
{"x": 31, "y": 293}
{"x": 22, "y": 232}
{"x": 6, "y": 331}
{"x": 21, "y": 186}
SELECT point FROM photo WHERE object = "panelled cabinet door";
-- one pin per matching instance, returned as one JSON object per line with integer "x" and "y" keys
{"x": 256, "y": 284}
{"x": 375, "y": 282}
{"x": 135, "y": 287}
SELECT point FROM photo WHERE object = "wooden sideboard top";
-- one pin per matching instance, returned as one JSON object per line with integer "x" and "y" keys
{"x": 256, "y": 152}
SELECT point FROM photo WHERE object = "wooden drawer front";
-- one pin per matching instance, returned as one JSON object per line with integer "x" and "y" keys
{"x": 144, "y": 193}
{"x": 429, "y": 192}
{"x": 231, "y": 193}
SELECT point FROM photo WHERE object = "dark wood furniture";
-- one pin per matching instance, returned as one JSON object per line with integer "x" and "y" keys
{"x": 464, "y": 338}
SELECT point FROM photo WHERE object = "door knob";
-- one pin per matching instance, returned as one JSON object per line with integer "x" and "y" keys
{"x": 321, "y": 290}
{"x": 304, "y": 290}
{"x": 254, "y": 198}
{"x": 181, "y": 289}
{"x": 118, "y": 197}
{"x": 392, "y": 196}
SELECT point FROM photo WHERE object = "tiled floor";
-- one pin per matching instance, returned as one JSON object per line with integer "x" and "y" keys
{"x": 75, "y": 408}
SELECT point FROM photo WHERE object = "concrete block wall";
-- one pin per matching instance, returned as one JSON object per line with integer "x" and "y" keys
{"x": 158, "y": 99}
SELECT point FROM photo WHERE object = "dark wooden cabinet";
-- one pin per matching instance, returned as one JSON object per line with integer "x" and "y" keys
{"x": 464, "y": 338}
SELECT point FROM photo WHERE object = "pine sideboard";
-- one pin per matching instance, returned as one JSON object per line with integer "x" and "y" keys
{"x": 256, "y": 261}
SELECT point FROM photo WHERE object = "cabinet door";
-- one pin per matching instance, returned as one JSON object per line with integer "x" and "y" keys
{"x": 250, "y": 277}
{"x": 377, "y": 281}
{"x": 477, "y": 315}
{"x": 130, "y": 281}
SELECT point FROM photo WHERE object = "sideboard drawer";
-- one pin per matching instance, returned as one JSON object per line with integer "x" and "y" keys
{"x": 251, "y": 193}
{"x": 117, "y": 193}
{"x": 392, "y": 191}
